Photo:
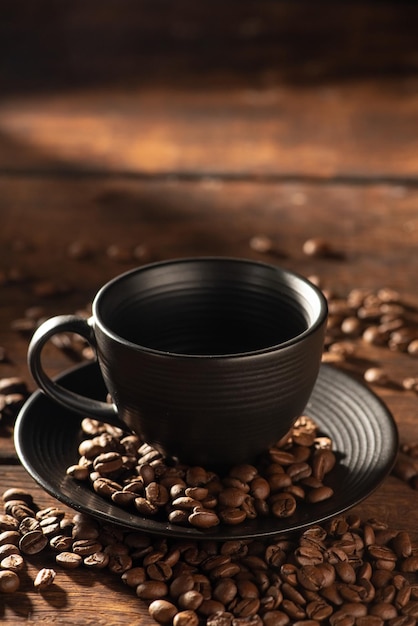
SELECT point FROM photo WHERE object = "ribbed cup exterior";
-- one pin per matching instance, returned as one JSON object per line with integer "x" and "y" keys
{"x": 220, "y": 408}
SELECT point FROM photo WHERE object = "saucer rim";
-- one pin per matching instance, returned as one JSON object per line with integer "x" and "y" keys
{"x": 83, "y": 499}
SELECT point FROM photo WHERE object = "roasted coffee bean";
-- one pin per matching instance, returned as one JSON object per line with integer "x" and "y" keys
{"x": 85, "y": 547}
{"x": 226, "y": 570}
{"x": 13, "y": 384}
{"x": 203, "y": 519}
{"x": 276, "y": 618}
{"x": 190, "y": 600}
{"x": 100, "y": 560}
{"x": 283, "y": 505}
{"x": 225, "y": 591}
{"x": 33, "y": 542}
{"x": 7, "y": 549}
{"x": 162, "y": 611}
{"x": 145, "y": 507}
{"x": 405, "y": 469}
{"x": 232, "y": 515}
{"x": 108, "y": 462}
{"x": 343, "y": 570}
{"x": 16, "y": 493}
{"x": 319, "y": 494}
{"x": 322, "y": 463}
{"x": 376, "y": 376}
{"x": 232, "y": 497}
{"x": 242, "y": 494}
{"x": 187, "y": 618}
{"x": 151, "y": 590}
{"x": 68, "y": 560}
{"x": 13, "y": 562}
{"x": 317, "y": 247}
{"x": 44, "y": 578}
{"x": 9, "y": 581}
{"x": 18, "y": 509}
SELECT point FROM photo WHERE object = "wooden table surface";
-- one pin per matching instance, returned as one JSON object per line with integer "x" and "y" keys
{"x": 165, "y": 130}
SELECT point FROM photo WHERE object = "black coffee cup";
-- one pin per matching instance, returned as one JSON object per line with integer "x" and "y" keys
{"x": 209, "y": 360}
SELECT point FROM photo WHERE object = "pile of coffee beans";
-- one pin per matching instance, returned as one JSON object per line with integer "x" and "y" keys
{"x": 377, "y": 317}
{"x": 132, "y": 474}
{"x": 344, "y": 573}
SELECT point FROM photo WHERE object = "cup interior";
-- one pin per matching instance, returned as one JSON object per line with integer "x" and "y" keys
{"x": 204, "y": 307}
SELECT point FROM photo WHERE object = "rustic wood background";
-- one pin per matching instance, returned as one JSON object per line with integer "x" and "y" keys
{"x": 188, "y": 128}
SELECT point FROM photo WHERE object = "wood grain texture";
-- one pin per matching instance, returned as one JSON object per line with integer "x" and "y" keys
{"x": 188, "y": 129}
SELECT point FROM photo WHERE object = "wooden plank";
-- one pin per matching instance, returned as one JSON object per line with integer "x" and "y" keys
{"x": 287, "y": 90}
{"x": 355, "y": 131}
{"x": 203, "y": 44}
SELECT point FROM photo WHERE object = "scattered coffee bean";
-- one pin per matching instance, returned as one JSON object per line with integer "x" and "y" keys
{"x": 9, "y": 581}
{"x": 376, "y": 376}
{"x": 120, "y": 253}
{"x": 323, "y": 574}
{"x": 44, "y": 578}
{"x": 13, "y": 394}
{"x": 80, "y": 250}
{"x": 317, "y": 247}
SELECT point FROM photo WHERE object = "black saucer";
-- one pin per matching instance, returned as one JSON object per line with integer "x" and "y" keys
{"x": 361, "y": 427}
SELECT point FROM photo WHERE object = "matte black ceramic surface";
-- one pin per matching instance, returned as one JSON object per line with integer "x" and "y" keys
{"x": 210, "y": 360}
{"x": 362, "y": 429}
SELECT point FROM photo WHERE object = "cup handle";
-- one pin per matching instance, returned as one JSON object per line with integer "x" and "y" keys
{"x": 74, "y": 401}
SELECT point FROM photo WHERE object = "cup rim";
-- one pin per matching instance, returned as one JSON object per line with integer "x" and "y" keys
{"x": 320, "y": 319}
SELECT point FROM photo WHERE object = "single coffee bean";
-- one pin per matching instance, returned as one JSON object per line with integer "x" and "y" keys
{"x": 98, "y": 560}
{"x": 319, "y": 610}
{"x": 145, "y": 507}
{"x": 203, "y": 519}
{"x": 13, "y": 562}
{"x": 157, "y": 494}
{"x": 10, "y": 536}
{"x": 85, "y": 547}
{"x": 405, "y": 469}
{"x": 190, "y": 600}
{"x": 9, "y": 581}
{"x": 376, "y": 376}
{"x": 7, "y": 549}
{"x": 210, "y": 607}
{"x": 106, "y": 487}
{"x": 15, "y": 493}
{"x": 231, "y": 497}
{"x": 78, "y": 472}
{"x": 187, "y": 618}
{"x": 50, "y": 511}
{"x": 162, "y": 611}
{"x": 69, "y": 560}
{"x": 317, "y": 247}
{"x": 159, "y": 571}
{"x": 225, "y": 591}
{"x": 33, "y": 542}
{"x": 232, "y": 516}
{"x": 13, "y": 384}
{"x": 18, "y": 509}
{"x": 44, "y": 578}
{"x": 151, "y": 590}
{"x": 319, "y": 494}
{"x": 283, "y": 505}
{"x": 322, "y": 463}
